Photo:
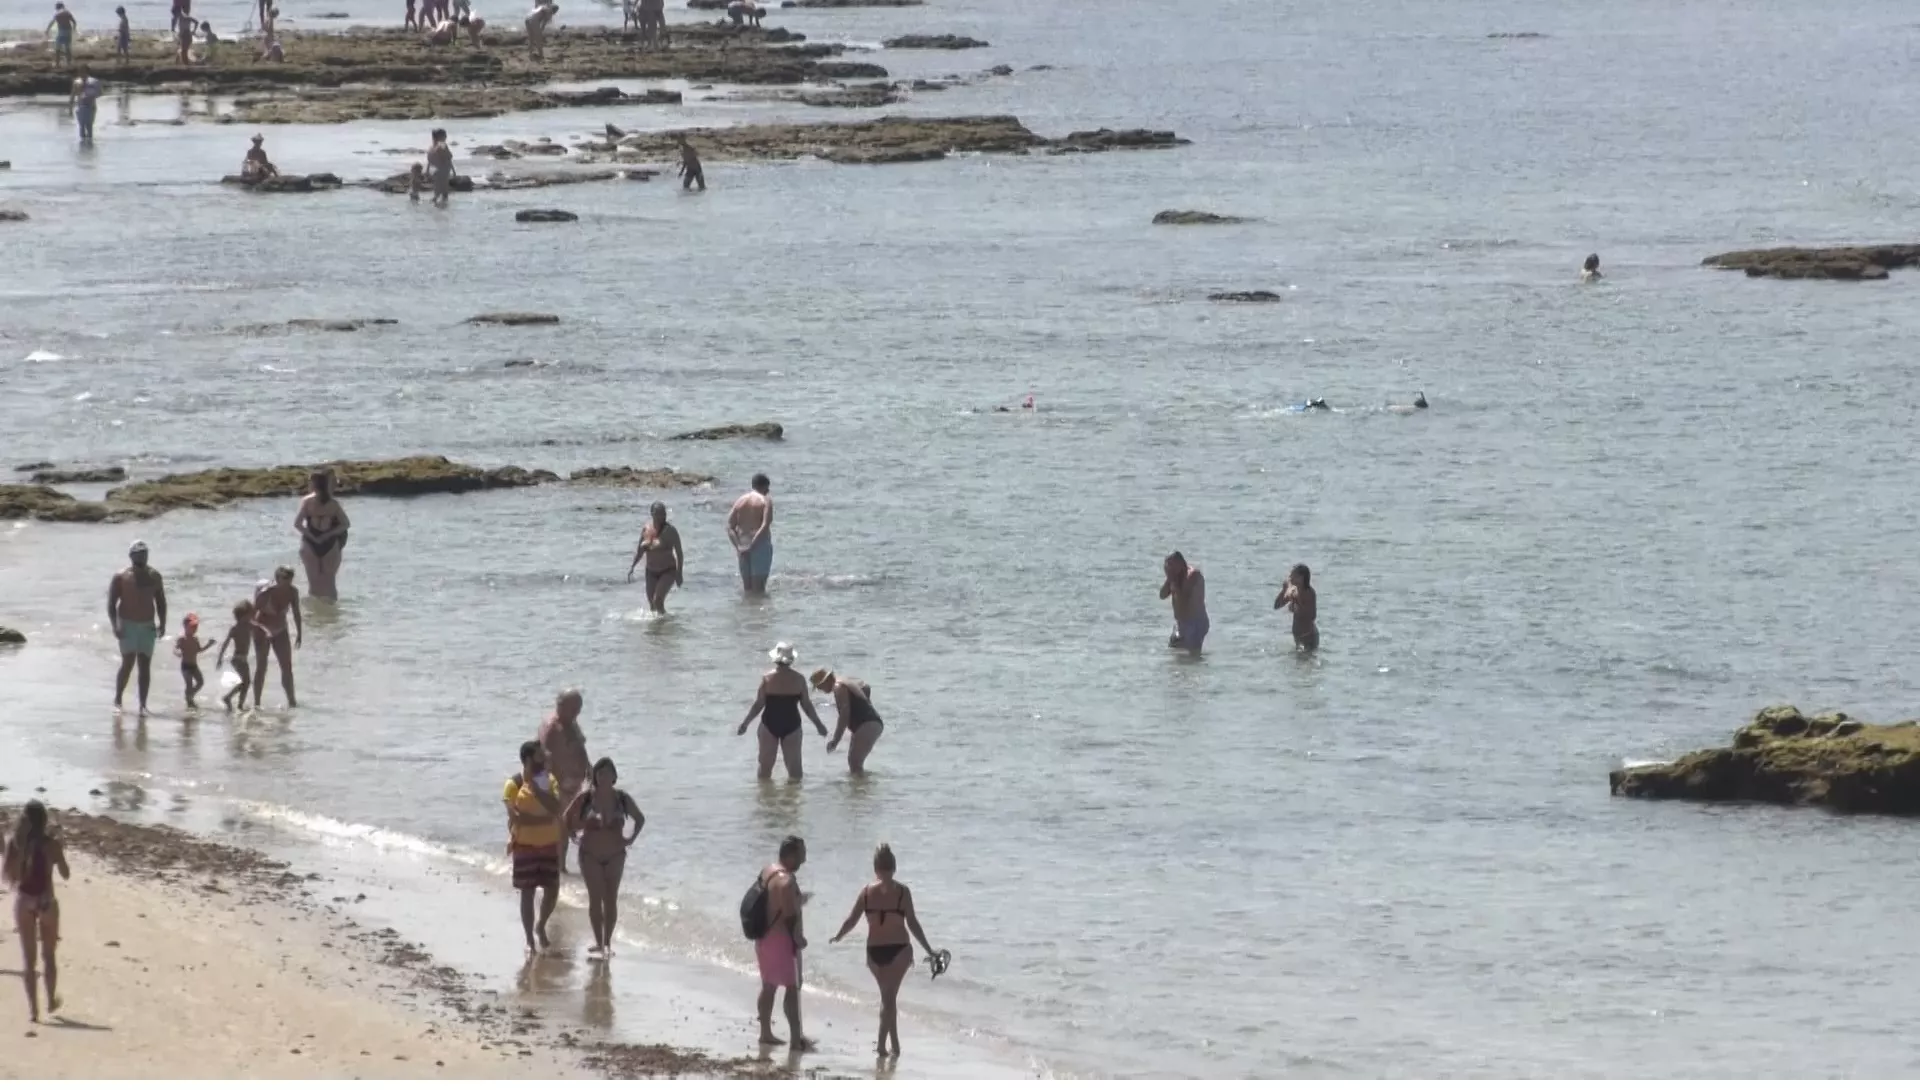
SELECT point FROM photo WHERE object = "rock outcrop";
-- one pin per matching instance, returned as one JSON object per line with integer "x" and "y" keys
{"x": 882, "y": 140}
{"x": 1822, "y": 263}
{"x": 934, "y": 41}
{"x": 37, "y": 501}
{"x": 1245, "y": 297}
{"x": 514, "y": 317}
{"x": 314, "y": 325}
{"x": 11, "y": 637}
{"x": 1077, "y": 143}
{"x": 417, "y": 476}
{"x": 544, "y": 215}
{"x": 12, "y": 215}
{"x": 89, "y": 475}
{"x": 856, "y": 96}
{"x": 629, "y": 477}
{"x": 768, "y": 430}
{"x": 1176, "y": 218}
{"x": 1830, "y": 760}
{"x": 285, "y": 183}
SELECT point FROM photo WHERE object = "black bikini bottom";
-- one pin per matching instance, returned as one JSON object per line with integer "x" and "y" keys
{"x": 322, "y": 548}
{"x": 887, "y": 955}
{"x": 781, "y": 730}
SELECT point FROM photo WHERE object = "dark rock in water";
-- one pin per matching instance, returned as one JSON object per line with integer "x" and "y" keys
{"x": 12, "y": 215}
{"x": 629, "y": 477}
{"x": 1524, "y": 35}
{"x": 928, "y": 85}
{"x": 338, "y": 325}
{"x": 1175, "y": 218}
{"x": 875, "y": 156}
{"x": 934, "y": 41}
{"x": 37, "y": 501}
{"x": 1110, "y": 139}
{"x": 849, "y": 70}
{"x": 1830, "y": 760}
{"x": 6, "y": 164}
{"x": 1245, "y": 297}
{"x": 95, "y": 475}
{"x": 286, "y": 183}
{"x": 10, "y": 637}
{"x": 417, "y": 476}
{"x": 544, "y": 215}
{"x": 734, "y": 431}
{"x": 615, "y": 133}
{"x": 999, "y": 70}
{"x": 851, "y": 3}
{"x": 855, "y": 97}
{"x": 33, "y": 467}
{"x": 521, "y": 363}
{"x": 514, "y": 317}
{"x": 1822, "y": 263}
{"x": 1040, "y": 68}
{"x": 331, "y": 15}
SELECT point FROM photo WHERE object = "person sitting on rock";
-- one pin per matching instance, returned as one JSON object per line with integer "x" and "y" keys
{"x": 1590, "y": 269}
{"x": 257, "y": 167}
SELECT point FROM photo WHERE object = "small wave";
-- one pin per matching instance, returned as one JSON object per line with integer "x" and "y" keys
{"x": 333, "y": 829}
{"x": 88, "y": 396}
{"x": 271, "y": 369}
{"x": 41, "y": 355}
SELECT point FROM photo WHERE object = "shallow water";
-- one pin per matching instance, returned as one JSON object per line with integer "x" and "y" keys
{"x": 1636, "y": 512}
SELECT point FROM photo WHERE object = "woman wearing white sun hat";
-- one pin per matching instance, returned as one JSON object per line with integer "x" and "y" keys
{"x": 778, "y": 704}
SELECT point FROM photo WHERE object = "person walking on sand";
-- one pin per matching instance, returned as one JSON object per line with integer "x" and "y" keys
{"x": 750, "y": 528}
{"x": 597, "y": 817}
{"x": 888, "y": 908}
{"x": 187, "y": 647}
{"x": 322, "y": 525}
{"x": 564, "y": 747}
{"x": 33, "y": 855}
{"x": 690, "y": 165}
{"x": 666, "y": 563}
{"x": 537, "y": 20}
{"x": 781, "y": 699}
{"x": 854, "y": 700}
{"x": 272, "y": 603}
{"x": 62, "y": 27}
{"x": 85, "y": 100}
{"x": 240, "y": 638}
{"x": 440, "y": 168}
{"x": 1298, "y": 595}
{"x": 778, "y": 948}
{"x": 533, "y": 841}
{"x": 137, "y": 612}
{"x": 1188, "y": 589}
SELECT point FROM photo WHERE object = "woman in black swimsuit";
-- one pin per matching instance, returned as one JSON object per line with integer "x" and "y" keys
{"x": 597, "y": 818}
{"x": 782, "y": 697}
{"x": 888, "y": 908}
{"x": 322, "y": 525}
{"x": 854, "y": 700}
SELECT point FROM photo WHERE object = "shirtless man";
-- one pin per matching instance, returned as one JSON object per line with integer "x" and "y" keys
{"x": 565, "y": 750}
{"x": 256, "y": 166}
{"x": 666, "y": 564}
{"x": 653, "y": 24}
{"x": 137, "y": 612}
{"x": 778, "y": 951}
{"x": 62, "y": 28}
{"x": 184, "y": 28}
{"x": 1188, "y": 589}
{"x": 272, "y": 602}
{"x": 1299, "y": 595}
{"x": 750, "y": 528}
{"x": 690, "y": 166}
{"x": 537, "y": 20}
{"x": 322, "y": 525}
{"x": 440, "y": 168}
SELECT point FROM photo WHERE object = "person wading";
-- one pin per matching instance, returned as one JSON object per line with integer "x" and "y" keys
{"x": 597, "y": 817}
{"x": 137, "y": 611}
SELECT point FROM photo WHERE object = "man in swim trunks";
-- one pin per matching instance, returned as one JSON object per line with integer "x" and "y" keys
{"x": 778, "y": 951}
{"x": 750, "y": 528}
{"x": 1299, "y": 595}
{"x": 1188, "y": 589}
{"x": 534, "y": 840}
{"x": 440, "y": 168}
{"x": 137, "y": 611}
{"x": 666, "y": 564}
{"x": 63, "y": 26}
{"x": 563, "y": 749}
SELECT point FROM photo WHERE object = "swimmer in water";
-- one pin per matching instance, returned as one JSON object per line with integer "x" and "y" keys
{"x": 1590, "y": 269}
{"x": 1298, "y": 595}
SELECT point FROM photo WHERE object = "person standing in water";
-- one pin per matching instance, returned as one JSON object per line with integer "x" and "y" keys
{"x": 1298, "y": 595}
{"x": 690, "y": 166}
{"x": 563, "y": 745}
{"x": 240, "y": 638}
{"x": 778, "y": 704}
{"x": 750, "y": 528}
{"x": 33, "y": 855}
{"x": 854, "y": 700}
{"x": 440, "y": 168}
{"x": 86, "y": 103}
{"x": 888, "y": 908}
{"x": 137, "y": 612}
{"x": 322, "y": 525}
{"x": 272, "y": 603}
{"x": 1188, "y": 589}
{"x": 777, "y": 951}
{"x": 666, "y": 563}
{"x": 598, "y": 817}
{"x": 533, "y": 841}
{"x": 188, "y": 648}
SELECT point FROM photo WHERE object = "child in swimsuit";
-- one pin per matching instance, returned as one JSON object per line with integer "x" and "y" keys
{"x": 239, "y": 637}
{"x": 187, "y": 648}
{"x": 416, "y": 181}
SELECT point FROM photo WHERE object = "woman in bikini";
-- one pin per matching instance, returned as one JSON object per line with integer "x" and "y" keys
{"x": 782, "y": 697}
{"x": 854, "y": 699}
{"x": 322, "y": 525}
{"x": 272, "y": 602}
{"x": 32, "y": 857}
{"x": 888, "y": 908}
{"x": 597, "y": 818}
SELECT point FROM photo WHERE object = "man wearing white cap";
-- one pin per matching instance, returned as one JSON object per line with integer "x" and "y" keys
{"x": 137, "y": 610}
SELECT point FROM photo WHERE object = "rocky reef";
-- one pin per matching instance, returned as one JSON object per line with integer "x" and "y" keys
{"x": 629, "y": 477}
{"x": 1828, "y": 263}
{"x": 82, "y": 475}
{"x": 1176, "y": 218}
{"x": 883, "y": 140}
{"x": 1244, "y": 297}
{"x": 514, "y": 317}
{"x": 545, "y": 215}
{"x": 768, "y": 430}
{"x": 1830, "y": 760}
{"x": 934, "y": 41}
{"x": 285, "y": 183}
{"x": 11, "y": 637}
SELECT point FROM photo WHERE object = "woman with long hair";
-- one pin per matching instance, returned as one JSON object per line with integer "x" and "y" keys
{"x": 888, "y": 908}
{"x": 597, "y": 818}
{"x": 33, "y": 855}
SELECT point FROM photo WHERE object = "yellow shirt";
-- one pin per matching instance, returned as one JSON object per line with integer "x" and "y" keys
{"x": 534, "y": 827}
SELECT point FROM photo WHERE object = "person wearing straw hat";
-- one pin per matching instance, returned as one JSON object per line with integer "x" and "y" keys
{"x": 853, "y": 699}
{"x": 137, "y": 612}
{"x": 778, "y": 704}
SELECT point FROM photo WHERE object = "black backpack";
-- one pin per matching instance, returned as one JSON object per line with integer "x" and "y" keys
{"x": 753, "y": 910}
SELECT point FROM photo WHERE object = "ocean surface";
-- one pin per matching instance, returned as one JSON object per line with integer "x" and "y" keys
{"x": 1636, "y": 512}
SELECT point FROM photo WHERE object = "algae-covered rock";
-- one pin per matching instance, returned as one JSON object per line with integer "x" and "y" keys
{"x": 514, "y": 317}
{"x": 1179, "y": 218}
{"x": 1820, "y": 263}
{"x": 1245, "y": 297}
{"x": 544, "y": 215}
{"x": 285, "y": 183}
{"x": 1115, "y": 139}
{"x": 629, "y": 477}
{"x": 416, "y": 476}
{"x": 934, "y": 41}
{"x": 11, "y": 637}
{"x": 768, "y": 430}
{"x": 37, "y": 501}
{"x": 1830, "y": 760}
{"x": 84, "y": 475}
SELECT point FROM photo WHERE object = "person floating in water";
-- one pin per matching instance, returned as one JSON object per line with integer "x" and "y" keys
{"x": 1188, "y": 589}
{"x": 1299, "y": 596}
{"x": 1590, "y": 269}
{"x": 690, "y": 166}
{"x": 188, "y": 648}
